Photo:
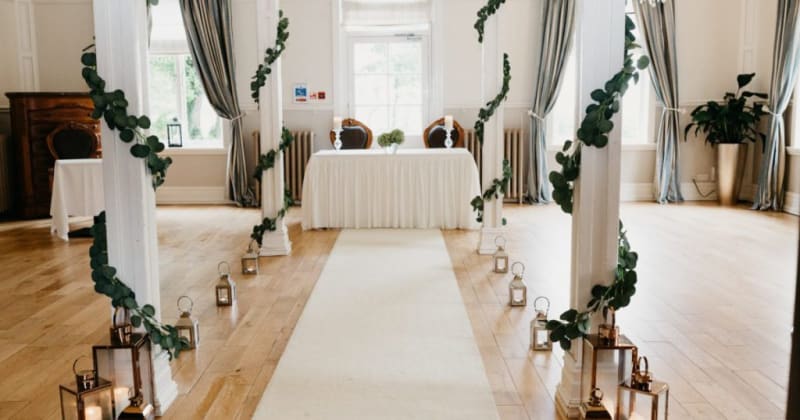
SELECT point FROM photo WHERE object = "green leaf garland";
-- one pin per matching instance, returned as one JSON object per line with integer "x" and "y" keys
{"x": 486, "y": 113}
{"x": 265, "y": 162}
{"x": 498, "y": 186}
{"x": 483, "y": 15}
{"x": 271, "y": 55}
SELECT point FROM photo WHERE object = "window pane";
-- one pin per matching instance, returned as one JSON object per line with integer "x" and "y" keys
{"x": 561, "y": 119}
{"x": 203, "y": 128}
{"x": 163, "y": 94}
{"x": 636, "y": 107}
{"x": 405, "y": 57}
{"x": 407, "y": 89}
{"x": 375, "y": 117}
{"x": 369, "y": 57}
{"x": 408, "y": 119}
{"x": 371, "y": 89}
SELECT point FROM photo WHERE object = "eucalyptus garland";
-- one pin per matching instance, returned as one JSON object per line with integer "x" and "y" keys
{"x": 483, "y": 15}
{"x": 488, "y": 111}
{"x": 493, "y": 193}
{"x": 272, "y": 54}
{"x": 267, "y": 161}
{"x": 593, "y": 131}
{"x": 113, "y": 107}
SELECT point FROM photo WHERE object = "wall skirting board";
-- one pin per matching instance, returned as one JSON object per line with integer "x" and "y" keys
{"x": 645, "y": 191}
{"x": 191, "y": 195}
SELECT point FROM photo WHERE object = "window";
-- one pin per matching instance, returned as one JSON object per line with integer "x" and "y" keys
{"x": 637, "y": 107}
{"x": 794, "y": 130}
{"x": 175, "y": 90}
{"x": 560, "y": 121}
{"x": 389, "y": 75}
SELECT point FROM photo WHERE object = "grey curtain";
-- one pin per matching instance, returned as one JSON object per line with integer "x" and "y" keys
{"x": 208, "y": 31}
{"x": 657, "y": 27}
{"x": 557, "y": 33}
{"x": 785, "y": 66}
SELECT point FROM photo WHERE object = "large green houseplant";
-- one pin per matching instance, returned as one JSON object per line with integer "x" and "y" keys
{"x": 727, "y": 125}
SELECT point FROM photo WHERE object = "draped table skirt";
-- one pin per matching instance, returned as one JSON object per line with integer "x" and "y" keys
{"x": 413, "y": 189}
{"x": 77, "y": 191}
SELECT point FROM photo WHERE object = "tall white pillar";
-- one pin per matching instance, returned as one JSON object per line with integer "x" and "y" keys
{"x": 492, "y": 154}
{"x": 121, "y": 39}
{"x": 271, "y": 111}
{"x": 600, "y": 50}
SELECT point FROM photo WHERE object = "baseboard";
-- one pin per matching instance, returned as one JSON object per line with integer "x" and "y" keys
{"x": 636, "y": 191}
{"x": 791, "y": 203}
{"x": 191, "y": 195}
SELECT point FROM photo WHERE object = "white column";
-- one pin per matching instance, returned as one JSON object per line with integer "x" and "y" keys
{"x": 271, "y": 111}
{"x": 492, "y": 154}
{"x": 600, "y": 50}
{"x": 121, "y": 38}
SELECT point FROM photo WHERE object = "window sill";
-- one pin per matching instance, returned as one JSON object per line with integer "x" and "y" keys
{"x": 793, "y": 151}
{"x": 194, "y": 151}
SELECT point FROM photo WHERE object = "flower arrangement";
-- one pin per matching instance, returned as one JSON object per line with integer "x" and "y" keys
{"x": 395, "y": 136}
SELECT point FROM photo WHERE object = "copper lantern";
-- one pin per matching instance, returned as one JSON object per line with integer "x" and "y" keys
{"x": 594, "y": 407}
{"x": 500, "y": 256}
{"x": 517, "y": 290}
{"x": 94, "y": 402}
{"x": 188, "y": 327}
{"x": 136, "y": 409}
{"x": 250, "y": 259}
{"x": 610, "y": 373}
{"x": 121, "y": 327}
{"x": 540, "y": 337}
{"x": 642, "y": 386}
{"x": 226, "y": 288}
{"x": 129, "y": 367}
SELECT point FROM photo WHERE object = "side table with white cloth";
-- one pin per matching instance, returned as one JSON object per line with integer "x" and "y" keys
{"x": 77, "y": 191}
{"x": 414, "y": 188}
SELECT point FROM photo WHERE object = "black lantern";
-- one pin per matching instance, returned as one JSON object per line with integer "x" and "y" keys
{"x": 92, "y": 403}
{"x": 174, "y": 134}
{"x": 188, "y": 327}
{"x": 129, "y": 367}
{"x": 225, "y": 290}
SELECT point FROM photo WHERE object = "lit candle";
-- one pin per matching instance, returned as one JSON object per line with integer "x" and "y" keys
{"x": 448, "y": 122}
{"x": 337, "y": 123}
{"x": 93, "y": 412}
{"x": 121, "y": 396}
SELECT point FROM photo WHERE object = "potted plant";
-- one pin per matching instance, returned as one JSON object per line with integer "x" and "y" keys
{"x": 389, "y": 141}
{"x": 726, "y": 126}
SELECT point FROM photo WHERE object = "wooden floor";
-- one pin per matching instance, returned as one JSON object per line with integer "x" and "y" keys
{"x": 713, "y": 309}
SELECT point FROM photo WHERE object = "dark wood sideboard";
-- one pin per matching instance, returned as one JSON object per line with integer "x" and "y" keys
{"x": 34, "y": 115}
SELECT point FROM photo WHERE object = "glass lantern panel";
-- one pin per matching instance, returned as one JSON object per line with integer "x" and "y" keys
{"x": 517, "y": 295}
{"x": 119, "y": 364}
{"x": 500, "y": 263}
{"x": 541, "y": 335}
{"x": 641, "y": 405}
{"x": 222, "y": 295}
{"x": 609, "y": 365}
{"x": 97, "y": 405}
{"x": 69, "y": 405}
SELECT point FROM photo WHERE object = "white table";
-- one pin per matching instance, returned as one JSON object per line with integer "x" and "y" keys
{"x": 77, "y": 191}
{"x": 415, "y": 188}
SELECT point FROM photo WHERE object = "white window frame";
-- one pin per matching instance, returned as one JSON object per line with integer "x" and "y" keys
{"x": 392, "y": 34}
{"x": 793, "y": 148}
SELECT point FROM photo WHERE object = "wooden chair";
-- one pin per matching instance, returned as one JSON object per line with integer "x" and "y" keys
{"x": 435, "y": 135}
{"x": 355, "y": 135}
{"x": 72, "y": 140}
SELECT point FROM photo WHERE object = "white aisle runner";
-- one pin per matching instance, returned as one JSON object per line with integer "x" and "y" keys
{"x": 384, "y": 335}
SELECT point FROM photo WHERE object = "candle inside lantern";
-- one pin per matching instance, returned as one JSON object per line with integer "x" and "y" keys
{"x": 448, "y": 123}
{"x": 121, "y": 395}
{"x": 93, "y": 412}
{"x": 517, "y": 295}
{"x": 337, "y": 123}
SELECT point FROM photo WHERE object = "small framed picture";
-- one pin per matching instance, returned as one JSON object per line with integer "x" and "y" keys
{"x": 300, "y": 93}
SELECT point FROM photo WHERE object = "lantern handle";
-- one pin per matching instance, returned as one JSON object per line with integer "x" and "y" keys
{"x": 546, "y": 300}
{"x": 595, "y": 397}
{"x": 498, "y": 238}
{"x": 518, "y": 264}
{"x": 191, "y": 303}
{"x": 75, "y": 363}
{"x": 646, "y": 364}
{"x": 125, "y": 316}
{"x": 227, "y": 270}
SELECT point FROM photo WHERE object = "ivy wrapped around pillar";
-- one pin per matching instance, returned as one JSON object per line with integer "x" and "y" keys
{"x": 483, "y": 15}
{"x": 265, "y": 162}
{"x": 593, "y": 131}
{"x": 486, "y": 113}
{"x": 271, "y": 55}
{"x": 499, "y": 186}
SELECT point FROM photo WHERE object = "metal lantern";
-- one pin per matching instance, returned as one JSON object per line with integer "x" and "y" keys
{"x": 594, "y": 408}
{"x": 640, "y": 377}
{"x": 226, "y": 288}
{"x": 174, "y": 134}
{"x": 250, "y": 259}
{"x": 608, "y": 331}
{"x": 500, "y": 256}
{"x": 188, "y": 327}
{"x": 121, "y": 328}
{"x": 517, "y": 290}
{"x": 129, "y": 367}
{"x": 613, "y": 372}
{"x": 540, "y": 337}
{"x": 657, "y": 393}
{"x": 136, "y": 410}
{"x": 86, "y": 399}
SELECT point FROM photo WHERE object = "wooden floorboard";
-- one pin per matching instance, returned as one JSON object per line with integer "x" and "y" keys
{"x": 712, "y": 312}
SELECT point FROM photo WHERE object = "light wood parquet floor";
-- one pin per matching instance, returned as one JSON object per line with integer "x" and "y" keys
{"x": 713, "y": 310}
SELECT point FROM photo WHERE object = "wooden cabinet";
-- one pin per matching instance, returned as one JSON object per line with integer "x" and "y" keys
{"x": 34, "y": 115}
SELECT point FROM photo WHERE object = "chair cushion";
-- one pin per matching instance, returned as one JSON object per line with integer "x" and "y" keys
{"x": 438, "y": 135}
{"x": 354, "y": 137}
{"x": 73, "y": 143}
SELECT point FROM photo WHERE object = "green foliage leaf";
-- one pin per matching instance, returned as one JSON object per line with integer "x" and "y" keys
{"x": 140, "y": 150}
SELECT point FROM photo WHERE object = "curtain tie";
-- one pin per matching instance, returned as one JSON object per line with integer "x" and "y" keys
{"x": 678, "y": 110}
{"x": 238, "y": 117}
{"x": 774, "y": 114}
{"x": 535, "y": 115}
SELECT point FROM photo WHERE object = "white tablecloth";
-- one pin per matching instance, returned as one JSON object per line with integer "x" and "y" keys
{"x": 77, "y": 191}
{"x": 415, "y": 188}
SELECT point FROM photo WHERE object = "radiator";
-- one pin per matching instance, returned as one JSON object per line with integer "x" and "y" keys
{"x": 513, "y": 151}
{"x": 5, "y": 174}
{"x": 295, "y": 159}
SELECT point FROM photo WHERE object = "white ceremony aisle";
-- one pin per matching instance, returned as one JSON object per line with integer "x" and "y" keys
{"x": 384, "y": 335}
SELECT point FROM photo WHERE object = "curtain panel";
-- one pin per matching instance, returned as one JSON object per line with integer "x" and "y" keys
{"x": 208, "y": 32}
{"x": 558, "y": 23}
